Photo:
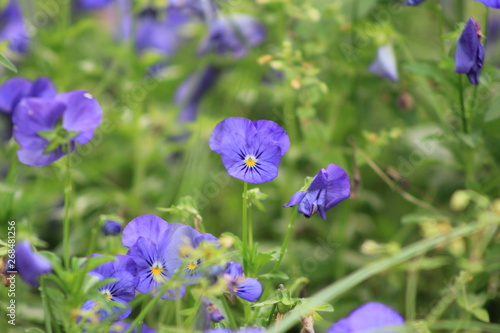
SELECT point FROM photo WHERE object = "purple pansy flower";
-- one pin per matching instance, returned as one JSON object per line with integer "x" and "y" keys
{"x": 190, "y": 92}
{"x": 12, "y": 27}
{"x": 250, "y": 150}
{"x": 121, "y": 327}
{"x": 44, "y": 127}
{"x": 328, "y": 188}
{"x": 491, "y": 3}
{"x": 248, "y": 289}
{"x": 469, "y": 56}
{"x": 233, "y": 34}
{"x": 413, "y": 2}
{"x": 29, "y": 264}
{"x": 385, "y": 63}
{"x": 154, "y": 245}
{"x": 124, "y": 270}
{"x": 17, "y": 88}
{"x": 369, "y": 317}
{"x": 111, "y": 227}
{"x": 205, "y": 9}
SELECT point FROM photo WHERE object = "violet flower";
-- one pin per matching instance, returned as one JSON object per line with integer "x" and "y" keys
{"x": 124, "y": 270}
{"x": 30, "y": 265}
{"x": 94, "y": 4}
{"x": 12, "y": 27}
{"x": 121, "y": 327}
{"x": 17, "y": 88}
{"x": 328, "y": 188}
{"x": 413, "y": 2}
{"x": 48, "y": 129}
{"x": 370, "y": 317}
{"x": 490, "y": 3}
{"x": 245, "y": 288}
{"x": 111, "y": 227}
{"x": 385, "y": 63}
{"x": 469, "y": 56}
{"x": 250, "y": 150}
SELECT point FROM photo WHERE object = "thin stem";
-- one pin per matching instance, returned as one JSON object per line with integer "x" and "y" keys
{"x": 345, "y": 284}
{"x": 46, "y": 305}
{"x": 462, "y": 104}
{"x": 229, "y": 314}
{"x": 245, "y": 238}
{"x": 411, "y": 289}
{"x": 67, "y": 203}
{"x": 286, "y": 240}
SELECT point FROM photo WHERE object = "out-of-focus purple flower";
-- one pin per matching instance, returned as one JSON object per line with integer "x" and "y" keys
{"x": 204, "y": 9}
{"x": 191, "y": 91}
{"x": 124, "y": 270}
{"x": 250, "y": 150}
{"x": 154, "y": 245}
{"x": 29, "y": 264}
{"x": 490, "y": 3}
{"x": 328, "y": 188}
{"x": 369, "y": 317}
{"x": 469, "y": 56}
{"x": 385, "y": 63}
{"x": 121, "y": 327}
{"x": 12, "y": 27}
{"x": 160, "y": 34}
{"x": 94, "y": 4}
{"x": 17, "y": 88}
{"x": 45, "y": 127}
{"x": 234, "y": 35}
{"x": 248, "y": 289}
{"x": 413, "y": 2}
{"x": 111, "y": 227}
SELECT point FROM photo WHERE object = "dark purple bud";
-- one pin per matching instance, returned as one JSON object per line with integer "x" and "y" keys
{"x": 12, "y": 27}
{"x": 469, "y": 56}
{"x": 111, "y": 227}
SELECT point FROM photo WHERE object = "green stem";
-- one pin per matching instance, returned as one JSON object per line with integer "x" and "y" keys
{"x": 229, "y": 314}
{"x": 245, "y": 238}
{"x": 46, "y": 305}
{"x": 67, "y": 203}
{"x": 411, "y": 289}
{"x": 345, "y": 284}
{"x": 462, "y": 104}
{"x": 286, "y": 240}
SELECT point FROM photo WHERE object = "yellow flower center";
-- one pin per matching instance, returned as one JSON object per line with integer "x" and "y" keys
{"x": 250, "y": 161}
{"x": 156, "y": 270}
{"x": 107, "y": 294}
{"x": 192, "y": 265}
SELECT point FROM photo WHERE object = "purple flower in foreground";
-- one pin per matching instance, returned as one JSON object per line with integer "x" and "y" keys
{"x": 469, "y": 56}
{"x": 111, "y": 227}
{"x": 250, "y": 150}
{"x": 12, "y": 27}
{"x": 124, "y": 270}
{"x": 370, "y": 317}
{"x": 248, "y": 289}
{"x": 385, "y": 63}
{"x": 17, "y": 88}
{"x": 413, "y": 2}
{"x": 29, "y": 264}
{"x": 44, "y": 128}
{"x": 154, "y": 245}
{"x": 121, "y": 326}
{"x": 233, "y": 34}
{"x": 490, "y": 3}
{"x": 328, "y": 188}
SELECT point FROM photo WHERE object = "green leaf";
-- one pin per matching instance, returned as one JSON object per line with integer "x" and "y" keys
{"x": 482, "y": 315}
{"x": 6, "y": 63}
{"x": 493, "y": 112}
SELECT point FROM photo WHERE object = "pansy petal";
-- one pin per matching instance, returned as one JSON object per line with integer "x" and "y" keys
{"x": 30, "y": 265}
{"x": 275, "y": 132}
{"x": 228, "y": 133}
{"x": 250, "y": 290}
{"x": 43, "y": 88}
{"x": 373, "y": 316}
{"x": 11, "y": 92}
{"x": 342, "y": 326}
{"x": 149, "y": 226}
{"x": 491, "y": 3}
{"x": 36, "y": 157}
{"x": 467, "y": 48}
{"x": 296, "y": 199}
{"x": 339, "y": 186}
{"x": 83, "y": 113}
{"x": 319, "y": 181}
